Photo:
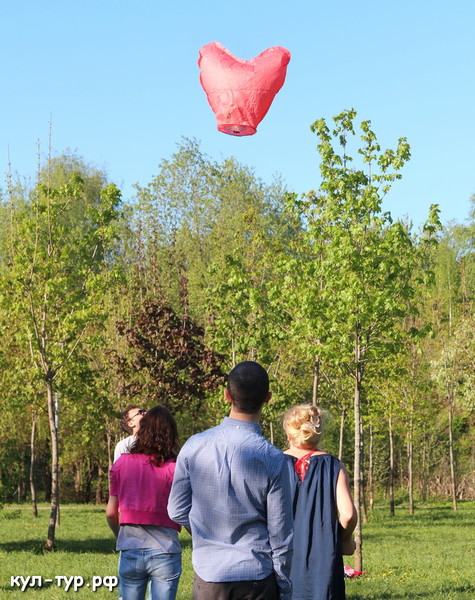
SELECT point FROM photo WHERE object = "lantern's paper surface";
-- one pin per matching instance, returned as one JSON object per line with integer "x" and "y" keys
{"x": 240, "y": 91}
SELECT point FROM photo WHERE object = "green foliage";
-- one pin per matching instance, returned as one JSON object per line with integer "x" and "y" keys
{"x": 245, "y": 270}
{"x": 194, "y": 216}
{"x": 57, "y": 247}
{"x": 168, "y": 362}
{"x": 57, "y": 254}
{"x": 348, "y": 278}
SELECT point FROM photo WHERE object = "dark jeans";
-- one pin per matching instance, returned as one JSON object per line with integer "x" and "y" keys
{"x": 261, "y": 589}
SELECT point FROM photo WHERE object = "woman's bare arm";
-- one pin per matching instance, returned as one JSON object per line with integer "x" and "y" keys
{"x": 112, "y": 514}
{"x": 346, "y": 511}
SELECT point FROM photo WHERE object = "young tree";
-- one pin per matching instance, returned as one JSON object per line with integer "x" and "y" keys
{"x": 353, "y": 277}
{"x": 454, "y": 372}
{"x": 60, "y": 237}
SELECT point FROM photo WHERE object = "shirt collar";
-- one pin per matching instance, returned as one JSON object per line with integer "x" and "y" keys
{"x": 228, "y": 422}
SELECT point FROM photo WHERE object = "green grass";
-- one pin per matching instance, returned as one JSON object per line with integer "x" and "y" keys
{"x": 428, "y": 556}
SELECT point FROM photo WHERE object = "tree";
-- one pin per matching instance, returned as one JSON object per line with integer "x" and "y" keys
{"x": 60, "y": 235}
{"x": 454, "y": 373}
{"x": 167, "y": 361}
{"x": 352, "y": 272}
{"x": 193, "y": 217}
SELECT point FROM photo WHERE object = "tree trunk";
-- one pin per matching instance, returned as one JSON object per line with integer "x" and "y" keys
{"x": 424, "y": 476}
{"x": 100, "y": 477}
{"x": 88, "y": 474}
{"x": 34, "y": 507}
{"x": 364, "y": 507}
{"x": 410, "y": 471}
{"x": 410, "y": 439}
{"x": 316, "y": 380}
{"x": 77, "y": 480}
{"x": 22, "y": 481}
{"x": 233, "y": 347}
{"x": 451, "y": 453}
{"x": 54, "y": 465}
{"x": 357, "y": 463}
{"x": 398, "y": 474}
{"x": 18, "y": 488}
{"x": 391, "y": 467}
{"x": 342, "y": 431}
{"x": 371, "y": 469}
{"x": 109, "y": 448}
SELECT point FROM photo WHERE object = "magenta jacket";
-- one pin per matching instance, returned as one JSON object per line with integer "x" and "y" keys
{"x": 142, "y": 490}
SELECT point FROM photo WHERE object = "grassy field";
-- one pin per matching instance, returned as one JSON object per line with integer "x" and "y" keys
{"x": 430, "y": 556}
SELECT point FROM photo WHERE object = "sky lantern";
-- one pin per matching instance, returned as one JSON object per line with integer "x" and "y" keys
{"x": 240, "y": 91}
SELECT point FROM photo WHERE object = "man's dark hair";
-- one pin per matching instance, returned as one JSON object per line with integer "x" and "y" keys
{"x": 248, "y": 385}
{"x": 124, "y": 418}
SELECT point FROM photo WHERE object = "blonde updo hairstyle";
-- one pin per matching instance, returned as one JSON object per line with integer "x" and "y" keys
{"x": 303, "y": 425}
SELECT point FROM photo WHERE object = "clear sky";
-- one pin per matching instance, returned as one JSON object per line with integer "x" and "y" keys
{"x": 120, "y": 83}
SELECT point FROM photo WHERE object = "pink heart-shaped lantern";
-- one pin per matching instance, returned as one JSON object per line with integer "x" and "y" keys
{"x": 239, "y": 91}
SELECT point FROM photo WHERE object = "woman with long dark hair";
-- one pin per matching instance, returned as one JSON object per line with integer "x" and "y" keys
{"x": 140, "y": 484}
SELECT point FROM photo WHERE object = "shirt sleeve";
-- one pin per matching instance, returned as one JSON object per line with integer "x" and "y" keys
{"x": 179, "y": 502}
{"x": 123, "y": 447}
{"x": 117, "y": 451}
{"x": 280, "y": 528}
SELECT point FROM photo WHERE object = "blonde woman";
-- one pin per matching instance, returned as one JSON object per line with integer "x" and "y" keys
{"x": 324, "y": 513}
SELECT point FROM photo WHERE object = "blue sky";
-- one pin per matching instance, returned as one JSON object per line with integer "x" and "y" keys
{"x": 120, "y": 83}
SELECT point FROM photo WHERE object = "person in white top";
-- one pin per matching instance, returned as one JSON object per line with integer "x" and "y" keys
{"x": 130, "y": 421}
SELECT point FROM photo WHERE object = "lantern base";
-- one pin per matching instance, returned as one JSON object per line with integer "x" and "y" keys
{"x": 238, "y": 130}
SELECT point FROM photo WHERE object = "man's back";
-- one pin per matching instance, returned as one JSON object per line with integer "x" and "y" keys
{"x": 231, "y": 489}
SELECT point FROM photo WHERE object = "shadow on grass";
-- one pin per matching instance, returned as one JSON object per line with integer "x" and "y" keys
{"x": 391, "y": 595}
{"x": 93, "y": 546}
{"x": 16, "y": 588}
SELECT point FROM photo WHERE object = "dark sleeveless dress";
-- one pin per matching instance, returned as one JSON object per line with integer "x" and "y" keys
{"x": 317, "y": 563}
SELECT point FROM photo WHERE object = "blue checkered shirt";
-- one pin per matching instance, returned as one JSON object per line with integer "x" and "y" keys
{"x": 232, "y": 489}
